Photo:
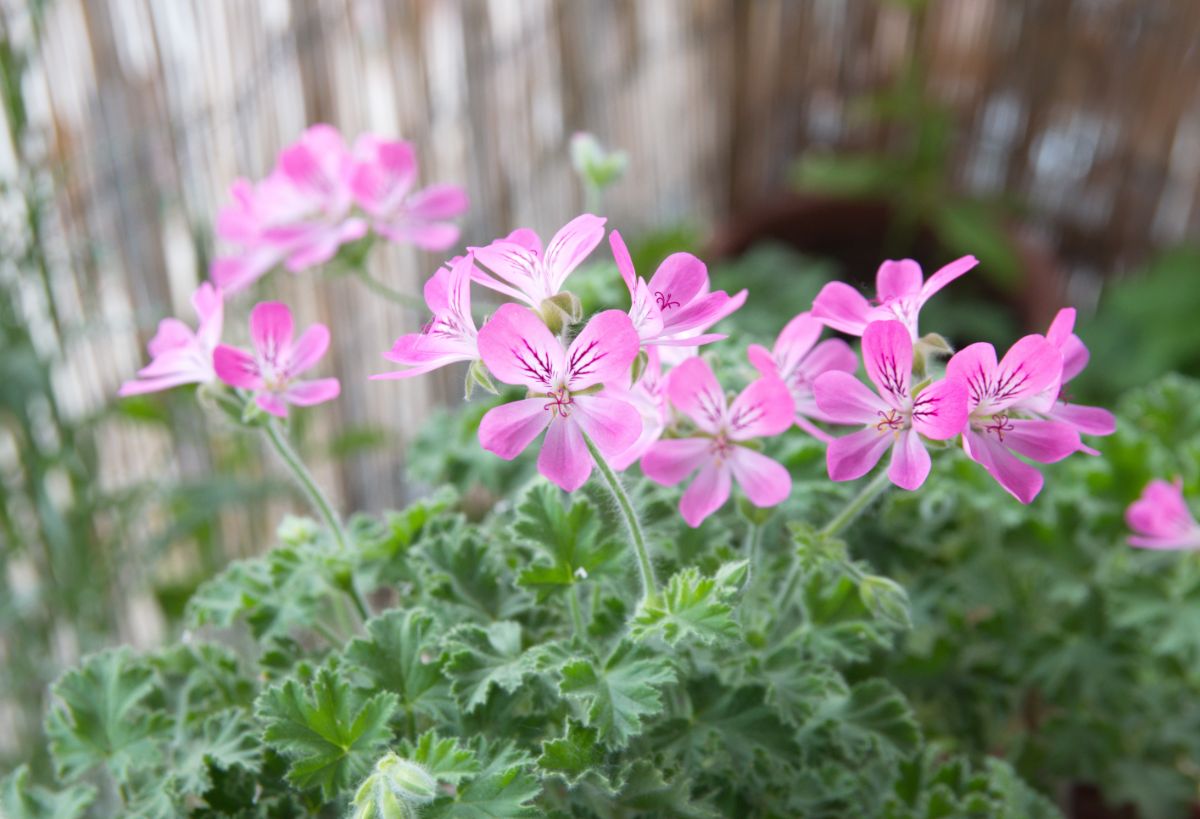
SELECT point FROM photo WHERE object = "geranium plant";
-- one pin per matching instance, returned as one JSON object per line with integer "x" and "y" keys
{"x": 600, "y": 642}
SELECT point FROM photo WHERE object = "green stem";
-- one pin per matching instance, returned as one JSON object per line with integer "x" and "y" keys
{"x": 303, "y": 477}
{"x": 380, "y": 289}
{"x": 751, "y": 549}
{"x": 645, "y": 568}
{"x": 576, "y": 612}
{"x": 856, "y": 504}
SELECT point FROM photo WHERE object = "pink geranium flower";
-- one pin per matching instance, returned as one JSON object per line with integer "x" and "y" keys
{"x": 518, "y": 268}
{"x": 518, "y": 349}
{"x": 675, "y": 307}
{"x": 1161, "y": 520}
{"x": 299, "y": 215}
{"x": 895, "y": 418}
{"x": 450, "y": 335}
{"x": 718, "y": 453}
{"x": 900, "y": 295}
{"x": 648, "y": 396}
{"x": 1086, "y": 420}
{"x": 798, "y": 360}
{"x": 181, "y": 355}
{"x": 382, "y": 183}
{"x": 270, "y": 372}
{"x": 1026, "y": 379}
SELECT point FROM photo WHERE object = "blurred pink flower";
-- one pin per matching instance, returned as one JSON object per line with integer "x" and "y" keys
{"x": 900, "y": 295}
{"x": 450, "y": 335}
{"x": 299, "y": 215}
{"x": 675, "y": 307}
{"x": 798, "y": 360}
{"x": 648, "y": 397}
{"x": 382, "y": 182}
{"x": 181, "y": 355}
{"x": 1029, "y": 376}
{"x": 1160, "y": 518}
{"x": 518, "y": 349}
{"x": 894, "y": 418}
{"x": 517, "y": 267}
{"x": 271, "y": 371}
{"x": 1086, "y": 420}
{"x": 719, "y": 453}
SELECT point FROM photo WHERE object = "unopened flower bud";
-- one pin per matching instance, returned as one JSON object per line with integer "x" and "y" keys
{"x": 395, "y": 790}
{"x": 886, "y": 600}
{"x": 296, "y": 531}
{"x": 596, "y": 166}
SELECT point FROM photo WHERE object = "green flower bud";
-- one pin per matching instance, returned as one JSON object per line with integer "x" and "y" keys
{"x": 296, "y": 531}
{"x": 395, "y": 790}
{"x": 596, "y": 166}
{"x": 886, "y": 600}
{"x": 561, "y": 310}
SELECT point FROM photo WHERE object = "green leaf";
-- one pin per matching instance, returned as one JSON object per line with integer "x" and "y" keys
{"x": 331, "y": 731}
{"x": 464, "y": 571}
{"x": 569, "y": 536}
{"x": 875, "y": 713}
{"x": 504, "y": 789}
{"x": 400, "y": 654}
{"x": 444, "y": 758}
{"x": 617, "y": 697}
{"x": 643, "y": 791}
{"x": 100, "y": 717}
{"x": 479, "y": 658}
{"x": 225, "y": 740}
{"x": 21, "y": 800}
{"x": 573, "y": 756}
{"x": 692, "y": 607}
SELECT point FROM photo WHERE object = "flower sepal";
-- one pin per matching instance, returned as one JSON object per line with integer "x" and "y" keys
{"x": 560, "y": 311}
{"x": 638, "y": 367}
{"x": 478, "y": 376}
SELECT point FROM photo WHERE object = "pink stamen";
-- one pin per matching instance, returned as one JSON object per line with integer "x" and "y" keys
{"x": 891, "y": 420}
{"x": 560, "y": 403}
{"x": 664, "y": 301}
{"x": 1001, "y": 425}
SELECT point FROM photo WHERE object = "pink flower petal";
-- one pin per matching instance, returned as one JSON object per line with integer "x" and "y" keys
{"x": 518, "y": 349}
{"x": 172, "y": 334}
{"x": 706, "y": 494}
{"x": 624, "y": 261}
{"x": 511, "y": 269}
{"x": 888, "y": 353}
{"x": 897, "y": 279}
{"x": 700, "y": 314}
{"x": 1042, "y": 441}
{"x": 1031, "y": 366}
{"x": 526, "y": 238}
{"x": 236, "y": 273}
{"x": 237, "y": 368}
{"x": 1161, "y": 518}
{"x": 670, "y": 461}
{"x": 763, "y": 409}
{"x": 271, "y": 329}
{"x": 272, "y": 403}
{"x": 831, "y": 354}
{"x": 760, "y": 358}
{"x": 564, "y": 459}
{"x": 946, "y": 275}
{"x": 1075, "y": 357}
{"x": 840, "y": 307}
{"x": 1088, "y": 420}
{"x": 507, "y": 429}
{"x": 910, "y": 461}
{"x": 438, "y": 203}
{"x": 603, "y": 351}
{"x": 209, "y": 304}
{"x": 694, "y": 391}
{"x": 678, "y": 281}
{"x": 308, "y": 349}
{"x": 308, "y": 393}
{"x": 846, "y": 400}
{"x": 975, "y": 366}
{"x": 430, "y": 236}
{"x": 765, "y": 482}
{"x": 570, "y": 246}
{"x": 612, "y": 424}
{"x": 940, "y": 411}
{"x": 1062, "y": 326}
{"x": 1021, "y": 480}
{"x": 796, "y": 340}
{"x": 856, "y": 454}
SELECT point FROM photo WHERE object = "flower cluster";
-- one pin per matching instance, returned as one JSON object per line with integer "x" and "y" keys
{"x": 628, "y": 386}
{"x": 321, "y": 195}
{"x": 1161, "y": 519}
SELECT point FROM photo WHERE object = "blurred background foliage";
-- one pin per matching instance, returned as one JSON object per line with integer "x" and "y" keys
{"x": 1071, "y": 185}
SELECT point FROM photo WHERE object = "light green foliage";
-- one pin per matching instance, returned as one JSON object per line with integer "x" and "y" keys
{"x": 401, "y": 655}
{"x": 619, "y": 694}
{"x": 331, "y": 731}
{"x": 570, "y": 538}
{"x": 692, "y": 607}
{"x": 480, "y": 658}
{"x": 21, "y": 800}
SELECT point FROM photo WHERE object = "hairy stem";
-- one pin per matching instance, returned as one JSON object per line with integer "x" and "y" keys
{"x": 308, "y": 483}
{"x": 645, "y": 568}
{"x": 855, "y": 505}
{"x": 380, "y": 289}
